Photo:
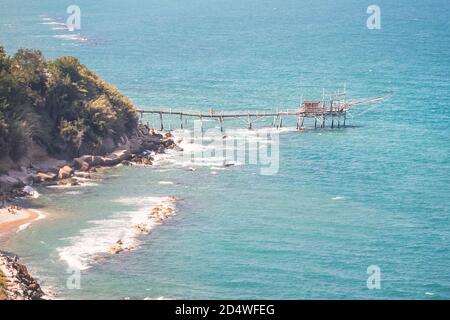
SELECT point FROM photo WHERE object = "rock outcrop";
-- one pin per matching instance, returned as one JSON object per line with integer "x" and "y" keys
{"x": 65, "y": 172}
{"x": 137, "y": 149}
{"x": 16, "y": 282}
{"x": 44, "y": 177}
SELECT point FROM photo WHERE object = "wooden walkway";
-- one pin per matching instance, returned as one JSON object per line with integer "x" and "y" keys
{"x": 319, "y": 110}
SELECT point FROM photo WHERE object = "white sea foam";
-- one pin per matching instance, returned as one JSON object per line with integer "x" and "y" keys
{"x": 40, "y": 216}
{"x": 165, "y": 182}
{"x": 23, "y": 227}
{"x": 97, "y": 240}
{"x": 338, "y": 198}
{"x": 45, "y": 17}
{"x": 60, "y": 28}
{"x": 73, "y": 37}
{"x": 54, "y": 23}
{"x": 256, "y": 139}
{"x": 157, "y": 298}
{"x": 32, "y": 193}
{"x": 74, "y": 192}
{"x": 81, "y": 183}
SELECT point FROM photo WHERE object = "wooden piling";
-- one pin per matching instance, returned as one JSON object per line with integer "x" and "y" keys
{"x": 337, "y": 109}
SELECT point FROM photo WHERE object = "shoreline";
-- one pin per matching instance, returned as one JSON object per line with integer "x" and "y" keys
{"x": 119, "y": 234}
{"x": 14, "y": 222}
{"x": 15, "y": 281}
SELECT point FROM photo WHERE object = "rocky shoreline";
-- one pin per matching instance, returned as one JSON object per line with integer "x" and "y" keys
{"x": 16, "y": 283}
{"x": 135, "y": 150}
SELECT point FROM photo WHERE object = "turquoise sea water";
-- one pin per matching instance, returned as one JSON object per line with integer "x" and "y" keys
{"x": 373, "y": 193}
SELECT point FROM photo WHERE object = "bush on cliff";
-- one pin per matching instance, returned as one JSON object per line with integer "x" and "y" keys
{"x": 60, "y": 105}
{"x": 3, "y": 286}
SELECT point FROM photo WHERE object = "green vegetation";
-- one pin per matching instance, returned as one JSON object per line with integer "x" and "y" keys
{"x": 3, "y": 286}
{"x": 2, "y": 280}
{"x": 59, "y": 105}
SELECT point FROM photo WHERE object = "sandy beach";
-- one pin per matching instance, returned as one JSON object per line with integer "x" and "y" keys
{"x": 12, "y": 218}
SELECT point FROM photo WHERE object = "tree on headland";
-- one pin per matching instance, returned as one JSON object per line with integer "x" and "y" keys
{"x": 59, "y": 105}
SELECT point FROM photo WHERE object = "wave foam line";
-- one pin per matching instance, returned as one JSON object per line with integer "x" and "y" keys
{"x": 118, "y": 233}
{"x": 40, "y": 216}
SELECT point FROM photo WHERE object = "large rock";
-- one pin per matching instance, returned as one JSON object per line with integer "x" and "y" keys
{"x": 169, "y": 143}
{"x": 97, "y": 161}
{"x": 8, "y": 183}
{"x": 80, "y": 164}
{"x": 110, "y": 161}
{"x": 91, "y": 160}
{"x": 50, "y": 165}
{"x": 65, "y": 172}
{"x": 122, "y": 154}
{"x": 27, "y": 179}
{"x": 22, "y": 175}
{"x": 87, "y": 158}
{"x": 44, "y": 177}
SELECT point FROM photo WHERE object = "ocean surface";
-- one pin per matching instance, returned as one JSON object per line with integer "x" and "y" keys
{"x": 375, "y": 193}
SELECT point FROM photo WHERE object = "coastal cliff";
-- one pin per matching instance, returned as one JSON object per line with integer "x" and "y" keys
{"x": 59, "y": 122}
{"x": 59, "y": 109}
{"x": 58, "y": 117}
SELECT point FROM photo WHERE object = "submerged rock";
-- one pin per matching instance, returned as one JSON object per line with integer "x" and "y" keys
{"x": 117, "y": 248}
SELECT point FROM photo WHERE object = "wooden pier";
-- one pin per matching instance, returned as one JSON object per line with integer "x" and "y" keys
{"x": 334, "y": 109}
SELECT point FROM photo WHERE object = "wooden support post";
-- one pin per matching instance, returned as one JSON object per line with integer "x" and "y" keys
{"x": 303, "y": 121}
{"x": 345, "y": 117}
{"x": 181, "y": 121}
{"x": 221, "y": 124}
{"x": 250, "y": 126}
{"x": 161, "y": 121}
{"x": 315, "y": 122}
{"x": 323, "y": 109}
